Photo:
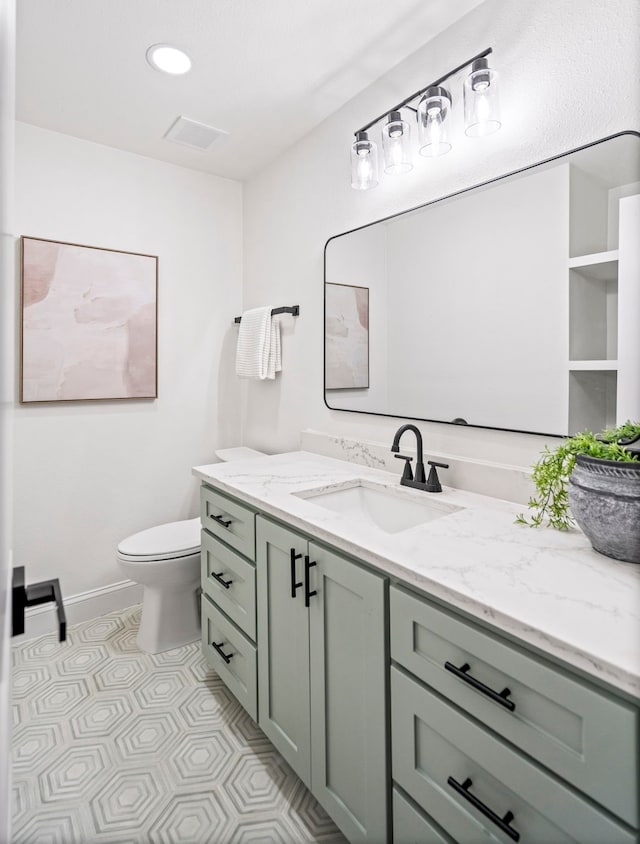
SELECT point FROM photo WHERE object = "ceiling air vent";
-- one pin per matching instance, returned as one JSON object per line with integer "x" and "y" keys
{"x": 192, "y": 134}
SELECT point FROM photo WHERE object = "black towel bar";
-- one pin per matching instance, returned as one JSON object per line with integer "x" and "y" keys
{"x": 294, "y": 310}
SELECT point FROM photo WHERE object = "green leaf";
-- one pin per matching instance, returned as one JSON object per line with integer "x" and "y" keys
{"x": 551, "y": 473}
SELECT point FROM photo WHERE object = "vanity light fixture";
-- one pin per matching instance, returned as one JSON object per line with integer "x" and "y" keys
{"x": 481, "y": 106}
{"x": 433, "y": 123}
{"x": 364, "y": 162}
{"x": 433, "y": 115}
{"x": 396, "y": 144}
{"x": 168, "y": 59}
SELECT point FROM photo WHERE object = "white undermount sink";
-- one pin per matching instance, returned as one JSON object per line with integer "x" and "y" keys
{"x": 391, "y": 509}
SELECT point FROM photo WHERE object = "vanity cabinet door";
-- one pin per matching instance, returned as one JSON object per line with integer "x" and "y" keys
{"x": 348, "y": 682}
{"x": 283, "y": 646}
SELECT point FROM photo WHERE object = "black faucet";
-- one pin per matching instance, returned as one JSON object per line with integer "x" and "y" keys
{"x": 432, "y": 484}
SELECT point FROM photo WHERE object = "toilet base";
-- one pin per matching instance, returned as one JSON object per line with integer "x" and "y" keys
{"x": 170, "y": 619}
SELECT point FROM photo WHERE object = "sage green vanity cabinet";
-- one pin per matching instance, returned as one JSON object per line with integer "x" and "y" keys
{"x": 453, "y": 767}
{"x": 231, "y": 654}
{"x": 228, "y": 603}
{"x": 473, "y": 716}
{"x": 582, "y": 734}
{"x": 410, "y": 824}
{"x": 489, "y": 741}
{"x": 322, "y": 668}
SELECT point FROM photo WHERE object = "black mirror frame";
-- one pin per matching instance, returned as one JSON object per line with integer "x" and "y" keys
{"x": 632, "y": 132}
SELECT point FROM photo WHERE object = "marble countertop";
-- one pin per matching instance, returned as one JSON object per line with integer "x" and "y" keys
{"x": 545, "y": 587}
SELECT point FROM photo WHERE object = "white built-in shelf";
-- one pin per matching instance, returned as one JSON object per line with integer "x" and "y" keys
{"x": 593, "y": 365}
{"x": 600, "y": 266}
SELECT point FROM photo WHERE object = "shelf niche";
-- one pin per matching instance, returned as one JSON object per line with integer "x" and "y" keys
{"x": 592, "y": 400}
{"x": 593, "y": 309}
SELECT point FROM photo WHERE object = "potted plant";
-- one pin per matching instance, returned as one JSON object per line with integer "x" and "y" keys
{"x": 594, "y": 479}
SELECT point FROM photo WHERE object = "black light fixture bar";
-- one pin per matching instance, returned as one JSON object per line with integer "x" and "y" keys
{"x": 407, "y": 100}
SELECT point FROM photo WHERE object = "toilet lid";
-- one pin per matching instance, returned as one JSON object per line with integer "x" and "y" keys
{"x": 174, "y": 539}
{"x": 241, "y": 452}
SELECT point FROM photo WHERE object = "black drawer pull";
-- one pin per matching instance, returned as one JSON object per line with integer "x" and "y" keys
{"x": 501, "y": 823}
{"x": 221, "y": 581}
{"x": 498, "y": 697}
{"x": 295, "y": 585}
{"x": 308, "y": 564}
{"x": 226, "y": 657}
{"x": 224, "y": 522}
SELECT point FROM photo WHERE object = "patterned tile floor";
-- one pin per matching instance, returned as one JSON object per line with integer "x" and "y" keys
{"x": 117, "y": 746}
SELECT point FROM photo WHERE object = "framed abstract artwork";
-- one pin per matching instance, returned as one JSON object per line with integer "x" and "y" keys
{"x": 346, "y": 337}
{"x": 89, "y": 323}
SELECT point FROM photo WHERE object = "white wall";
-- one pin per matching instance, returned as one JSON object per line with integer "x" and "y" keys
{"x": 567, "y": 77}
{"x": 89, "y": 474}
{"x": 7, "y": 311}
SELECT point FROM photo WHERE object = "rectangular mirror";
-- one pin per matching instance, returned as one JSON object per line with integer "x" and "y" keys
{"x": 512, "y": 305}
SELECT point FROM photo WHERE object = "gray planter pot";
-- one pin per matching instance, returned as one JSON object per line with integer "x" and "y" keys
{"x": 604, "y": 496}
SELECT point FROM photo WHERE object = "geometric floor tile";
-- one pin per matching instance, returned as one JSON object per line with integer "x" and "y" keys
{"x": 83, "y": 659}
{"x": 128, "y": 800}
{"x": 33, "y": 744}
{"x": 74, "y": 773}
{"x": 118, "y": 675}
{"x": 100, "y": 718}
{"x": 115, "y": 746}
{"x": 196, "y": 817}
{"x": 141, "y": 737}
{"x": 199, "y": 760}
{"x": 258, "y": 782}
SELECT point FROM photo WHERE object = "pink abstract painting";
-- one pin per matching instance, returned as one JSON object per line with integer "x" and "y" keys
{"x": 89, "y": 323}
{"x": 346, "y": 337}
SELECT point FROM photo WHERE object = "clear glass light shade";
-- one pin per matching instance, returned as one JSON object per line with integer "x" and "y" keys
{"x": 396, "y": 145}
{"x": 481, "y": 104}
{"x": 433, "y": 123}
{"x": 364, "y": 163}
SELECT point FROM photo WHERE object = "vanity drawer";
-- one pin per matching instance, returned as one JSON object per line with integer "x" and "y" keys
{"x": 411, "y": 825}
{"x": 472, "y": 782}
{"x": 584, "y": 735}
{"x": 239, "y": 672}
{"x": 228, "y": 519}
{"x": 230, "y": 582}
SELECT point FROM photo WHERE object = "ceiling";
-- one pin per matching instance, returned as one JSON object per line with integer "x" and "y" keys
{"x": 265, "y": 71}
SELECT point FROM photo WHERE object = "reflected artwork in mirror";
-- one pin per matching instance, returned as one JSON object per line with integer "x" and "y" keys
{"x": 512, "y": 305}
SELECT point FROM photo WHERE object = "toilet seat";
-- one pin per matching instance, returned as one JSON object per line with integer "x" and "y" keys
{"x": 163, "y": 542}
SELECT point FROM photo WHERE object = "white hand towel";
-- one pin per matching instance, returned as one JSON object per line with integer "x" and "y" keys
{"x": 275, "y": 349}
{"x": 258, "y": 354}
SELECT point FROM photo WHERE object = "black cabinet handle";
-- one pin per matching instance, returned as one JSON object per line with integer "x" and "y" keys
{"x": 226, "y": 657}
{"x": 308, "y": 564}
{"x": 295, "y": 585}
{"x": 45, "y": 592}
{"x": 497, "y": 697}
{"x": 224, "y": 522}
{"x": 501, "y": 823}
{"x": 221, "y": 581}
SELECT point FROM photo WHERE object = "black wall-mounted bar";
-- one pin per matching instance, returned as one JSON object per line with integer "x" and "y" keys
{"x": 23, "y": 596}
{"x": 439, "y": 81}
{"x": 294, "y": 310}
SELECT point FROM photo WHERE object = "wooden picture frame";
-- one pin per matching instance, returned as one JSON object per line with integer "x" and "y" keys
{"x": 89, "y": 323}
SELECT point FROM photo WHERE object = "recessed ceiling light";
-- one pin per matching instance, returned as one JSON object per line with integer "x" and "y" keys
{"x": 168, "y": 59}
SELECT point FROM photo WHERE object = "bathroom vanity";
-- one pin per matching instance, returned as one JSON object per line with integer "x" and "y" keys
{"x": 432, "y": 671}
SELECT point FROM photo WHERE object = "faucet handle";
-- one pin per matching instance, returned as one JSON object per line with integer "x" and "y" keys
{"x": 433, "y": 481}
{"x": 407, "y": 474}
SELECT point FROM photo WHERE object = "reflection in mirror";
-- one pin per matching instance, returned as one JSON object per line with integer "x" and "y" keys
{"x": 513, "y": 305}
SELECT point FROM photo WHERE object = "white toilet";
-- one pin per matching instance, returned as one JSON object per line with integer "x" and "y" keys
{"x": 166, "y": 560}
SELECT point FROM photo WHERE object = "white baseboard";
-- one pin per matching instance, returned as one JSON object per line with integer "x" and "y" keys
{"x": 82, "y": 607}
